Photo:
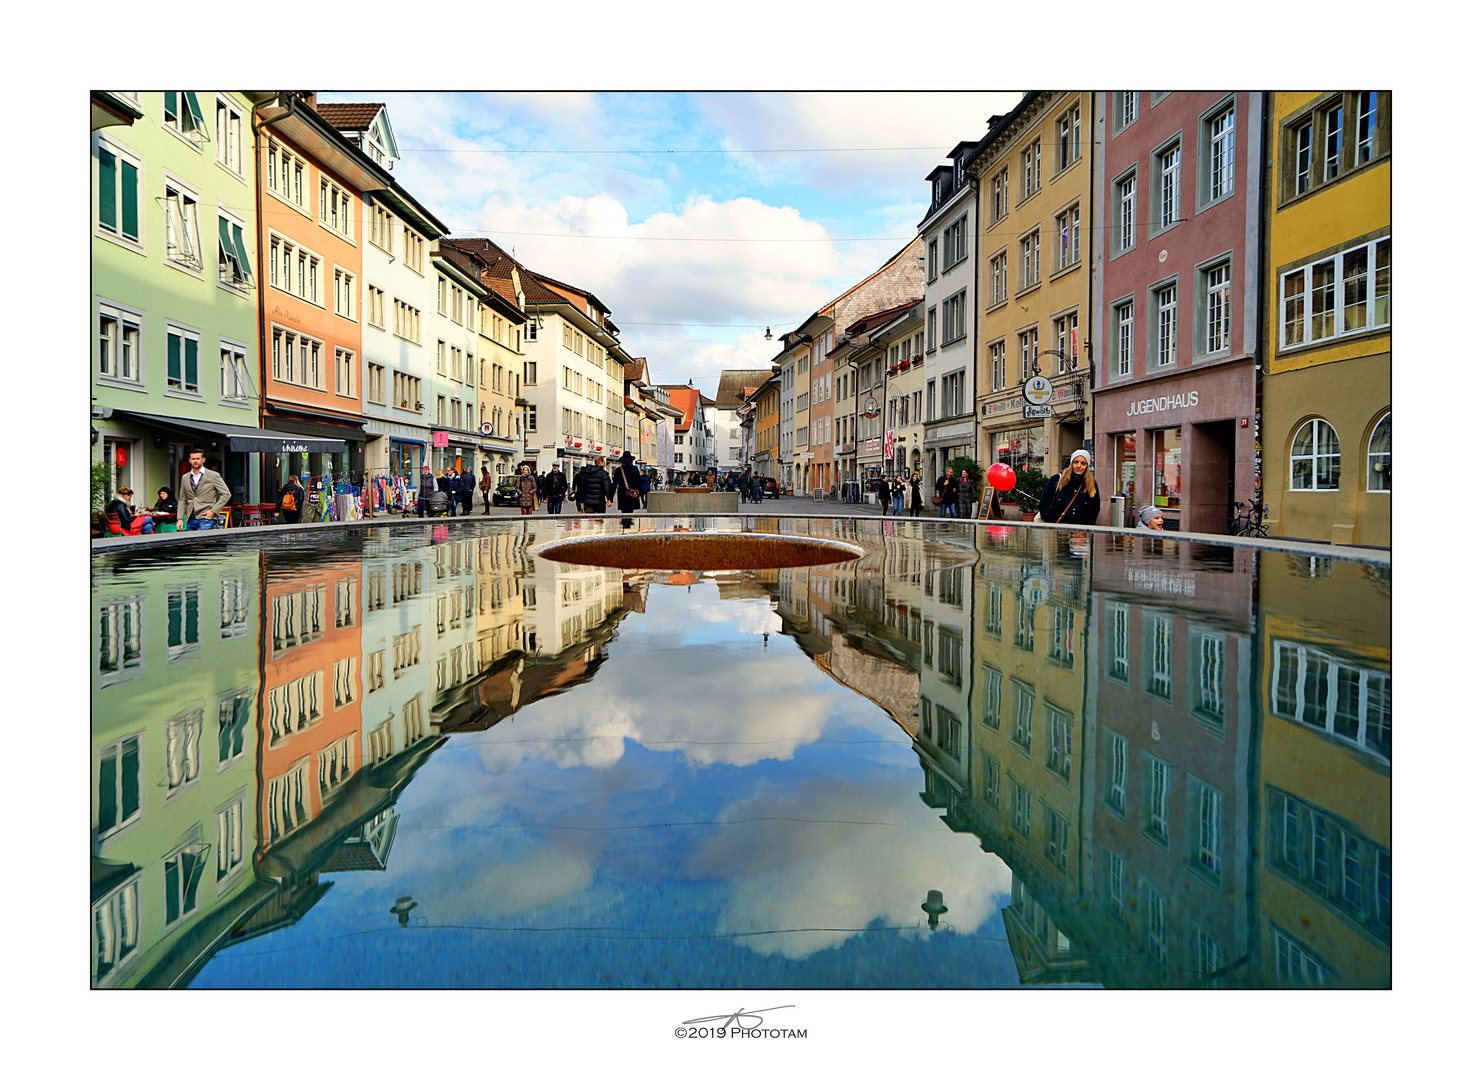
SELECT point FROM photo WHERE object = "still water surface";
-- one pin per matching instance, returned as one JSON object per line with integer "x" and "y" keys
{"x": 426, "y": 756}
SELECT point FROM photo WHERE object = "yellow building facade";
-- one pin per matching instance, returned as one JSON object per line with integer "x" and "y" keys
{"x": 1033, "y": 171}
{"x": 1325, "y": 412}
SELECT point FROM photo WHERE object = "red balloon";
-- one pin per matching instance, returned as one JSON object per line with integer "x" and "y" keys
{"x": 1001, "y": 476}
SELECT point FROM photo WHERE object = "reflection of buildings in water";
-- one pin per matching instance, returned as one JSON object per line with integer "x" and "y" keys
{"x": 1027, "y": 715}
{"x": 1324, "y": 783}
{"x": 1168, "y": 796}
{"x": 396, "y": 646}
{"x": 453, "y": 634}
{"x": 1043, "y": 954}
{"x": 173, "y": 817}
{"x": 310, "y": 727}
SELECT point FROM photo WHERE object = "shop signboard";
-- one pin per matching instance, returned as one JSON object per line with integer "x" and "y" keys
{"x": 1038, "y": 412}
{"x": 1038, "y": 391}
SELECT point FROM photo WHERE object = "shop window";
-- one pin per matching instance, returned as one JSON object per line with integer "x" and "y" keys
{"x": 1167, "y": 467}
{"x": 1126, "y": 454}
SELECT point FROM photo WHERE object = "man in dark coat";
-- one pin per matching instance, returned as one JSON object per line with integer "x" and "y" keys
{"x": 554, "y": 490}
{"x": 425, "y": 487}
{"x": 448, "y": 485}
{"x": 591, "y": 488}
{"x": 947, "y": 491}
{"x": 466, "y": 485}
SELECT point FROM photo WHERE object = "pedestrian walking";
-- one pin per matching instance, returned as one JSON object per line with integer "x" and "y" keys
{"x": 203, "y": 495}
{"x": 485, "y": 484}
{"x": 555, "y": 489}
{"x": 592, "y": 488}
{"x": 628, "y": 484}
{"x": 425, "y": 487}
{"x": 945, "y": 498}
{"x": 466, "y": 484}
{"x": 756, "y": 487}
{"x": 897, "y": 495}
{"x": 645, "y": 484}
{"x": 448, "y": 485}
{"x": 525, "y": 488}
{"x": 290, "y": 506}
{"x": 916, "y": 502}
{"x": 967, "y": 494}
{"x": 1071, "y": 498}
{"x": 882, "y": 492}
{"x": 1150, "y": 517}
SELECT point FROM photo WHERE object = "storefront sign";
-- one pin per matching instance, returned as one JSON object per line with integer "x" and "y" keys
{"x": 1163, "y": 404}
{"x": 1175, "y": 582}
{"x": 1038, "y": 412}
{"x": 120, "y": 456}
{"x": 1037, "y": 390}
{"x": 439, "y": 438}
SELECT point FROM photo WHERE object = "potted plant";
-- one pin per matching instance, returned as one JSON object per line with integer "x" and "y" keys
{"x": 99, "y": 496}
{"x": 1030, "y": 485}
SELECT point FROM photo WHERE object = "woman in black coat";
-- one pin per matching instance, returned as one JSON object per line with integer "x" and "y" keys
{"x": 916, "y": 503}
{"x": 1071, "y": 498}
{"x": 624, "y": 477}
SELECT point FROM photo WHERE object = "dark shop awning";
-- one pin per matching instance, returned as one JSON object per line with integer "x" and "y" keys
{"x": 243, "y": 439}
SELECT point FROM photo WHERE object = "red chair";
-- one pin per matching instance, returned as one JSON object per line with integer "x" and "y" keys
{"x": 116, "y": 529}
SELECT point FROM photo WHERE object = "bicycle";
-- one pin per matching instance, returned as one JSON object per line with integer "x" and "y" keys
{"x": 1247, "y": 522}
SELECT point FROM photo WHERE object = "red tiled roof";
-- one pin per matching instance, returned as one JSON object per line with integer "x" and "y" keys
{"x": 498, "y": 263}
{"x": 350, "y": 115}
{"x": 684, "y": 398}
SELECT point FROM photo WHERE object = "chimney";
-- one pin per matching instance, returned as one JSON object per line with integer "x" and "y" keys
{"x": 309, "y": 97}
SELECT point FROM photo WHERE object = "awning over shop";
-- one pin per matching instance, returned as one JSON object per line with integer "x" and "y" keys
{"x": 243, "y": 439}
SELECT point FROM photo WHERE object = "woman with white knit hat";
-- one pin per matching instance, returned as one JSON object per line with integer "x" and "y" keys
{"x": 1071, "y": 497}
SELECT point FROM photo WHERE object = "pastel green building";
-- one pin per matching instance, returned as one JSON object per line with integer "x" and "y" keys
{"x": 174, "y": 284}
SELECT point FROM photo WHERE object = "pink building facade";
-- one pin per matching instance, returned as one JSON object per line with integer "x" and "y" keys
{"x": 1177, "y": 328}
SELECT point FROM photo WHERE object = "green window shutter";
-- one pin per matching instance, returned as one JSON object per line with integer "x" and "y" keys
{"x": 170, "y": 110}
{"x": 242, "y": 252}
{"x": 192, "y": 364}
{"x": 107, "y": 190}
{"x": 172, "y": 360}
{"x": 129, "y": 779}
{"x": 130, "y": 196}
{"x": 195, "y": 108}
{"x": 223, "y": 232}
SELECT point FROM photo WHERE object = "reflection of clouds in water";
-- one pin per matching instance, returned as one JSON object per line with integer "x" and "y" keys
{"x": 787, "y": 874}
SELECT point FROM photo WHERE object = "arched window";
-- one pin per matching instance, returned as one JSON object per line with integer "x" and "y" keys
{"x": 1379, "y": 456}
{"x": 1315, "y": 457}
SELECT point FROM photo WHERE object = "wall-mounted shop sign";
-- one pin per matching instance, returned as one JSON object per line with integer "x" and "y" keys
{"x": 1163, "y": 404}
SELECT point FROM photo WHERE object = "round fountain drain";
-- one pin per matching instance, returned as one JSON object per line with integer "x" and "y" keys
{"x": 700, "y": 551}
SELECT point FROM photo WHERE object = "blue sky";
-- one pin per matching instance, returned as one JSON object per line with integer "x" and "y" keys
{"x": 744, "y": 209}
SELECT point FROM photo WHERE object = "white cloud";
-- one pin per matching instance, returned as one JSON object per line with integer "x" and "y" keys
{"x": 809, "y": 872}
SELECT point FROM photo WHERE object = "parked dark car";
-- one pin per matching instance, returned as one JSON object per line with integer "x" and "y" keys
{"x": 770, "y": 490}
{"x": 504, "y": 493}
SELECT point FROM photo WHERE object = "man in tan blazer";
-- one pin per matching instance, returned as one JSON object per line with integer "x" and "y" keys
{"x": 203, "y": 495}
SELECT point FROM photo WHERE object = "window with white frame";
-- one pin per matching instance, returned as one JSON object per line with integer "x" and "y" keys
{"x": 1165, "y": 189}
{"x": 1217, "y": 155}
{"x": 1116, "y": 650}
{"x": 183, "y": 115}
{"x": 954, "y": 243}
{"x": 998, "y": 270}
{"x": 344, "y": 293}
{"x": 414, "y": 248}
{"x": 931, "y": 330}
{"x": 375, "y": 312}
{"x": 1206, "y": 828}
{"x": 1070, "y": 139}
{"x": 228, "y": 141}
{"x": 1214, "y": 335}
{"x": 120, "y": 799}
{"x": 118, "y": 344}
{"x": 288, "y": 802}
{"x": 1155, "y": 904}
{"x": 1332, "y": 141}
{"x": 992, "y": 710}
{"x": 234, "y": 712}
{"x": 182, "y": 217}
{"x": 382, "y": 224}
{"x": 1165, "y": 340}
{"x": 231, "y": 838}
{"x": 1316, "y": 457}
{"x": 1294, "y": 964}
{"x": 1125, "y": 233}
{"x": 344, "y": 372}
{"x": 1160, "y": 656}
{"x": 233, "y": 265}
{"x": 1068, "y": 230}
{"x": 183, "y": 869}
{"x": 1029, "y": 260}
{"x": 1211, "y": 659}
{"x": 1378, "y": 470}
{"x": 115, "y": 930}
{"x": 1029, "y": 169}
{"x": 297, "y": 359}
{"x": 931, "y": 260}
{"x": 182, "y": 359}
{"x": 182, "y": 752}
{"x": 1023, "y": 807}
{"x": 1124, "y": 109}
{"x": 1057, "y": 839}
{"x": 1114, "y": 880}
{"x": 334, "y": 208}
{"x": 375, "y": 383}
{"x": 1116, "y": 772}
{"x": 1122, "y": 317}
{"x": 286, "y": 175}
{"x": 1028, "y": 350}
{"x": 996, "y": 365}
{"x": 954, "y": 318}
{"x": 236, "y": 379}
{"x": 1023, "y": 716}
{"x": 118, "y": 193}
{"x": 1334, "y": 695}
{"x": 1059, "y": 746}
{"x": 1067, "y": 341}
{"x": 1310, "y": 295}
{"x": 296, "y": 269}
{"x": 1158, "y": 779}
{"x": 1000, "y": 195}
{"x": 294, "y": 706}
